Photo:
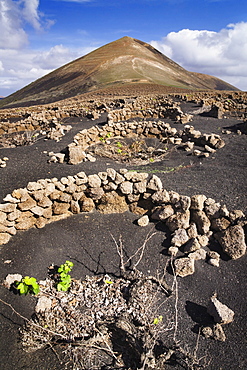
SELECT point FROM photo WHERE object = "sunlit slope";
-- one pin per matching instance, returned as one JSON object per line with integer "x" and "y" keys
{"x": 124, "y": 61}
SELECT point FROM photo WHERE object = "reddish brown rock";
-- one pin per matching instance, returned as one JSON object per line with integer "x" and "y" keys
{"x": 60, "y": 208}
{"x": 112, "y": 203}
{"x": 232, "y": 241}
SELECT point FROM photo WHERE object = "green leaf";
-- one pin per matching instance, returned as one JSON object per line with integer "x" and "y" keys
{"x": 158, "y": 320}
{"x": 69, "y": 263}
{"x": 63, "y": 275}
{"x": 23, "y": 288}
{"x": 66, "y": 279}
{"x": 61, "y": 287}
{"x": 108, "y": 282}
{"x": 29, "y": 280}
{"x": 28, "y": 285}
{"x": 36, "y": 289}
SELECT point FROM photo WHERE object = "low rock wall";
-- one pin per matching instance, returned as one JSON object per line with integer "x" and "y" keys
{"x": 193, "y": 221}
{"x": 164, "y": 108}
{"x": 188, "y": 137}
{"x": 33, "y": 118}
{"x": 23, "y": 119}
{"x": 153, "y": 106}
{"x": 233, "y": 103}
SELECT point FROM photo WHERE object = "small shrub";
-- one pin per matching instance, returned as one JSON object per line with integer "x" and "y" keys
{"x": 64, "y": 278}
{"x": 28, "y": 285}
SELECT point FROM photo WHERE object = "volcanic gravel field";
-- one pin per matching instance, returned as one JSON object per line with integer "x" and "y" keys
{"x": 86, "y": 240}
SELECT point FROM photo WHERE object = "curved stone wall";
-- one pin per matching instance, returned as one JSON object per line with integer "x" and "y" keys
{"x": 186, "y": 138}
{"x": 193, "y": 221}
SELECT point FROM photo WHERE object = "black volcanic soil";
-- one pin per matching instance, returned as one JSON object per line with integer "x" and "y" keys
{"x": 86, "y": 240}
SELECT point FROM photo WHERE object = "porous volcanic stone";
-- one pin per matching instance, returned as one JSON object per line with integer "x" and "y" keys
{"x": 215, "y": 332}
{"x": 95, "y": 193}
{"x": 192, "y": 245}
{"x": 179, "y": 237}
{"x": 8, "y": 207}
{"x": 75, "y": 207}
{"x": 201, "y": 220}
{"x": 232, "y": 241}
{"x": 184, "y": 266}
{"x": 155, "y": 183}
{"x": 27, "y": 204}
{"x": 26, "y": 223}
{"x": 10, "y": 279}
{"x": 162, "y": 213}
{"x": 3, "y": 217}
{"x": 76, "y": 154}
{"x": 43, "y": 304}
{"x": 60, "y": 208}
{"x": 220, "y": 312}
{"x": 112, "y": 203}
{"x": 220, "y": 224}
{"x": 4, "y": 238}
{"x": 143, "y": 221}
{"x": 179, "y": 220}
{"x": 197, "y": 201}
{"x": 86, "y": 204}
{"x": 94, "y": 181}
{"x": 161, "y": 196}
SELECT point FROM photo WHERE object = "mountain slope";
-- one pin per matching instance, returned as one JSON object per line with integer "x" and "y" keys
{"x": 124, "y": 61}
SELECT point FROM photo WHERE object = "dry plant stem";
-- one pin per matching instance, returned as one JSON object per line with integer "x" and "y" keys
{"x": 197, "y": 343}
{"x": 120, "y": 252}
{"x": 107, "y": 345}
{"x": 175, "y": 282}
{"x": 31, "y": 322}
{"x": 161, "y": 283}
{"x": 141, "y": 248}
{"x": 119, "y": 248}
{"x": 191, "y": 357}
{"x": 55, "y": 352}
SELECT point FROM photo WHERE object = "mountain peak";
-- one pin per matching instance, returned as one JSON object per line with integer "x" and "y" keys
{"x": 126, "y": 61}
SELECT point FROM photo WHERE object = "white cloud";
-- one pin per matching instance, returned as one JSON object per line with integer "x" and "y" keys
{"x": 31, "y": 14}
{"x": 222, "y": 54}
{"x": 56, "y": 56}
{"x": 12, "y": 35}
{"x": 19, "y": 64}
{"x": 14, "y": 16}
{"x": 32, "y": 64}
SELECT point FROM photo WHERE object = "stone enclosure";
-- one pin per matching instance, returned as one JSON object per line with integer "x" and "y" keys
{"x": 26, "y": 121}
{"x": 194, "y": 223}
{"x": 185, "y": 139}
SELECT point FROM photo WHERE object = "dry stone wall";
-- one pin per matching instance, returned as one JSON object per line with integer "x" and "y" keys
{"x": 232, "y": 103}
{"x": 152, "y": 106}
{"x": 33, "y": 118}
{"x": 40, "y": 118}
{"x": 193, "y": 221}
{"x": 186, "y": 138}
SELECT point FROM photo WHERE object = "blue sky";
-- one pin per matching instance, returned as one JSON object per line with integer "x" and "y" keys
{"x": 37, "y": 36}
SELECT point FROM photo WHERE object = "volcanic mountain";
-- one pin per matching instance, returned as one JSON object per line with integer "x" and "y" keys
{"x": 126, "y": 61}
